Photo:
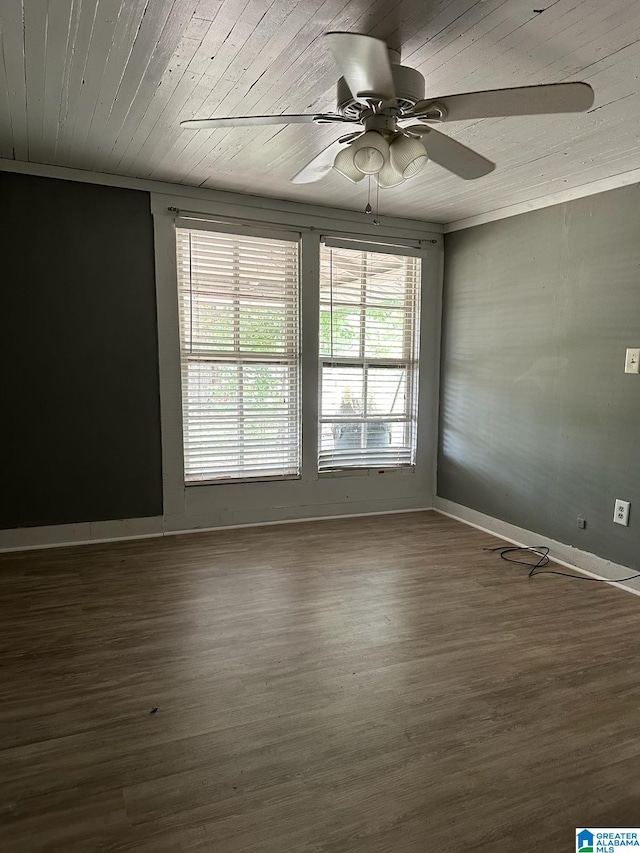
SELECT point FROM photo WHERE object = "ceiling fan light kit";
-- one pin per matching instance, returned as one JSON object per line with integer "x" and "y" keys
{"x": 370, "y": 152}
{"x": 344, "y": 165}
{"x": 408, "y": 156}
{"x": 380, "y": 98}
{"x": 388, "y": 177}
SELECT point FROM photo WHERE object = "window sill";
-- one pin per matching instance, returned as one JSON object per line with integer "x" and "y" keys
{"x": 396, "y": 471}
{"x": 232, "y": 481}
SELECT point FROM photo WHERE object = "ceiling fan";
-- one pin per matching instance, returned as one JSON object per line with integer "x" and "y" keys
{"x": 394, "y": 134}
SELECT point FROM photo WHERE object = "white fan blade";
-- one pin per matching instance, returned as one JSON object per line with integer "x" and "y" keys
{"x": 320, "y": 165}
{"x": 453, "y": 155}
{"x": 364, "y": 63}
{"x": 249, "y": 121}
{"x": 523, "y": 101}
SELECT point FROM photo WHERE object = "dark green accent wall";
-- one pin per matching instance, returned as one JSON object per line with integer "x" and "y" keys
{"x": 539, "y": 422}
{"x": 80, "y": 422}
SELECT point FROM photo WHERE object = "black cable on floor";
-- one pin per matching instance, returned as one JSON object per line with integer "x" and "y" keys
{"x": 543, "y": 553}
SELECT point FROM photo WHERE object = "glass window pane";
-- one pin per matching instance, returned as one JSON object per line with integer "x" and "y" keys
{"x": 342, "y": 390}
{"x": 268, "y": 391}
{"x": 369, "y": 318}
{"x": 389, "y": 281}
{"x": 386, "y": 391}
{"x": 341, "y": 276}
{"x": 361, "y": 443}
{"x": 208, "y": 324}
{"x": 238, "y": 301}
{"x": 340, "y": 332}
{"x": 384, "y": 333}
{"x": 263, "y": 327}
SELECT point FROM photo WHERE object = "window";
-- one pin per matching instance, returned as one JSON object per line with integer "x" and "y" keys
{"x": 238, "y": 304}
{"x": 369, "y": 320}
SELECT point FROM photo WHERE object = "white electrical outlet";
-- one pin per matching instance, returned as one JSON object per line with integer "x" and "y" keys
{"x": 632, "y": 361}
{"x": 621, "y": 513}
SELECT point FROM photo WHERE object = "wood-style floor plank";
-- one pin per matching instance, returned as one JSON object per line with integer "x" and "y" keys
{"x": 365, "y": 685}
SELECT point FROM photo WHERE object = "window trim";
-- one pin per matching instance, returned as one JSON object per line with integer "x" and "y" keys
{"x": 237, "y": 229}
{"x": 411, "y": 361}
{"x": 407, "y": 248}
{"x": 220, "y": 356}
{"x": 314, "y": 495}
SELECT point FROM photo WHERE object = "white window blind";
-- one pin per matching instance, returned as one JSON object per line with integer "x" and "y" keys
{"x": 369, "y": 321}
{"x": 239, "y": 341}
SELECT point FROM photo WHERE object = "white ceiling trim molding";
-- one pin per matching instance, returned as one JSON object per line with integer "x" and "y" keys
{"x": 603, "y": 185}
{"x": 217, "y": 197}
{"x": 612, "y": 182}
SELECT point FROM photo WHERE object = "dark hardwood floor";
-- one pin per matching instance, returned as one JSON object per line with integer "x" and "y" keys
{"x": 370, "y": 685}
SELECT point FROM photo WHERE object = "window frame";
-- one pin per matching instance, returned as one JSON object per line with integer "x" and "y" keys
{"x": 220, "y": 357}
{"x": 410, "y": 362}
{"x": 354, "y": 491}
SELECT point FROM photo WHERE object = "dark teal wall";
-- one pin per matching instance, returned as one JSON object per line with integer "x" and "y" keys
{"x": 539, "y": 423}
{"x": 80, "y": 424}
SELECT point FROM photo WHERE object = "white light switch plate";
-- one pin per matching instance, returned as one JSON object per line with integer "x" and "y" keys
{"x": 632, "y": 361}
{"x": 621, "y": 513}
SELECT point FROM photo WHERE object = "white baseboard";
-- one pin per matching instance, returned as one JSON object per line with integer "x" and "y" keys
{"x": 80, "y": 533}
{"x": 95, "y": 532}
{"x": 301, "y": 520}
{"x": 566, "y": 555}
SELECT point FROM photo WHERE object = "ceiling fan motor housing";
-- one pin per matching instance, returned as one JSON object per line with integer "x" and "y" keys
{"x": 409, "y": 86}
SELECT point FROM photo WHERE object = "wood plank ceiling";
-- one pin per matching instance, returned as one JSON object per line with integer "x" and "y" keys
{"x": 103, "y": 84}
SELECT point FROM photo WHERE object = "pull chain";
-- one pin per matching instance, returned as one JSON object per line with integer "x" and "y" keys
{"x": 376, "y": 221}
{"x": 368, "y": 208}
